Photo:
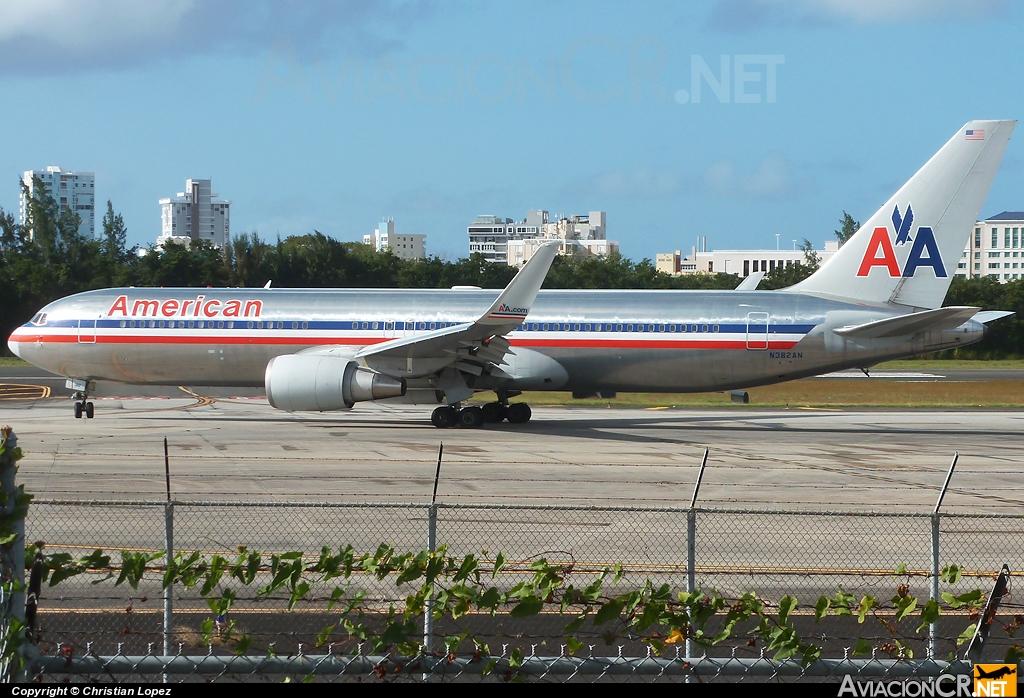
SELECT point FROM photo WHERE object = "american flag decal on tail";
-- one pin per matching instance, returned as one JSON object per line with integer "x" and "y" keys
{"x": 976, "y": 134}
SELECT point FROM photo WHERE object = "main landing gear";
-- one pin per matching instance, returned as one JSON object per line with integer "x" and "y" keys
{"x": 473, "y": 417}
{"x": 83, "y": 406}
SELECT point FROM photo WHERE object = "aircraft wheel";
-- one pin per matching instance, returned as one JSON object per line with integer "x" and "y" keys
{"x": 471, "y": 417}
{"x": 494, "y": 412}
{"x": 89, "y": 410}
{"x": 444, "y": 417}
{"x": 518, "y": 413}
{"x": 78, "y": 410}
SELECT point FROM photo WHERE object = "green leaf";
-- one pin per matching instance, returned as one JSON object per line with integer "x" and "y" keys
{"x": 905, "y": 605}
{"x": 516, "y": 658}
{"x": 1014, "y": 654}
{"x": 499, "y": 563}
{"x": 324, "y": 636}
{"x": 901, "y": 570}
{"x": 529, "y": 606}
{"x": 929, "y": 614}
{"x": 786, "y": 605}
{"x": 866, "y": 604}
{"x": 608, "y": 611}
{"x": 863, "y": 648}
{"x": 821, "y": 608}
{"x": 967, "y": 634}
{"x": 489, "y": 667}
{"x": 573, "y": 645}
{"x": 244, "y": 643}
{"x": 952, "y": 573}
{"x": 811, "y": 654}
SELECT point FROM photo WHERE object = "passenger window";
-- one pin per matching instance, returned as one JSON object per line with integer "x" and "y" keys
{"x": 374, "y": 326}
{"x": 703, "y": 328}
{"x": 123, "y": 323}
{"x": 305, "y": 325}
{"x": 576, "y": 327}
{"x": 715, "y": 328}
{"x": 295, "y": 325}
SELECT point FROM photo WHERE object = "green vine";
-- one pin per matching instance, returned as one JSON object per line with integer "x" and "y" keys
{"x": 658, "y": 616}
{"x": 13, "y": 637}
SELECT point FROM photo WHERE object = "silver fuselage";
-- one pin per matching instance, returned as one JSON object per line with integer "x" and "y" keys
{"x": 659, "y": 341}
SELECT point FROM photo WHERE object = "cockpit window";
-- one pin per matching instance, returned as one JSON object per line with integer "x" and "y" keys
{"x": 35, "y": 319}
{"x": 42, "y": 319}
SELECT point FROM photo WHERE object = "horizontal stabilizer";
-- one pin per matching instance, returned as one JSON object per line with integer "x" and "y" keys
{"x": 938, "y": 319}
{"x": 987, "y": 316}
{"x": 750, "y": 283}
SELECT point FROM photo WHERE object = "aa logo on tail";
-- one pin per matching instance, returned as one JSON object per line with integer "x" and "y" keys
{"x": 881, "y": 252}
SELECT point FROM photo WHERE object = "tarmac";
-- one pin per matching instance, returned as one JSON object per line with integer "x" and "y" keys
{"x": 225, "y": 446}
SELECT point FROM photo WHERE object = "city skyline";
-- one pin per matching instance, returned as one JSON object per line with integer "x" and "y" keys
{"x": 736, "y": 120}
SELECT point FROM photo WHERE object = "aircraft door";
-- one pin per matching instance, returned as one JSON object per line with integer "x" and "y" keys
{"x": 87, "y": 331}
{"x": 757, "y": 331}
{"x": 410, "y": 326}
{"x": 389, "y": 329}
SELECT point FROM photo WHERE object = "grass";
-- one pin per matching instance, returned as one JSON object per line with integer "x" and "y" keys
{"x": 13, "y": 361}
{"x": 947, "y": 364}
{"x": 822, "y": 393}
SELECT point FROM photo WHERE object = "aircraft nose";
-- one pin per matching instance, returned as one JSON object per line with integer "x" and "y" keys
{"x": 14, "y": 345}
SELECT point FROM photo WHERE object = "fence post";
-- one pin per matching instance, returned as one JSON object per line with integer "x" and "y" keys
{"x": 691, "y": 548}
{"x": 169, "y": 549}
{"x": 428, "y": 607}
{"x": 933, "y": 628}
{"x": 12, "y": 556}
{"x": 169, "y": 591}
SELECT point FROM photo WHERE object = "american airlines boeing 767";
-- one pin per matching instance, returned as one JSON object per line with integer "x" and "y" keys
{"x": 878, "y": 298}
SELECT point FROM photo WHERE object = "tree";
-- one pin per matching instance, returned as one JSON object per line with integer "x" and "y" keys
{"x": 848, "y": 227}
{"x": 811, "y": 258}
{"x": 115, "y": 235}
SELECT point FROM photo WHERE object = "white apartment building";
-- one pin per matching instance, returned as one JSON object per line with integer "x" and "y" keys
{"x": 195, "y": 215}
{"x": 740, "y": 262}
{"x": 73, "y": 190}
{"x": 515, "y": 242}
{"x": 995, "y": 249}
{"x": 403, "y": 246}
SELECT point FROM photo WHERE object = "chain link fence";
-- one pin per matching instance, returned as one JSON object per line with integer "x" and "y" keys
{"x": 98, "y": 631}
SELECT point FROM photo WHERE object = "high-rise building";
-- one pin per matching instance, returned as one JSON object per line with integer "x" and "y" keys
{"x": 508, "y": 242}
{"x": 995, "y": 249}
{"x": 195, "y": 215}
{"x": 73, "y": 190}
{"x": 408, "y": 246}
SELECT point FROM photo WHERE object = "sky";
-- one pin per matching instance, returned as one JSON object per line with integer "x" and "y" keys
{"x": 745, "y": 121}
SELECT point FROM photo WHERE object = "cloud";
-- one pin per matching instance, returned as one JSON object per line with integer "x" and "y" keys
{"x": 741, "y": 15}
{"x": 644, "y": 183}
{"x": 771, "y": 179}
{"x": 68, "y": 36}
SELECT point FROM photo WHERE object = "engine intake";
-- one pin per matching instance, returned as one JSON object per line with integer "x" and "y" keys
{"x": 318, "y": 383}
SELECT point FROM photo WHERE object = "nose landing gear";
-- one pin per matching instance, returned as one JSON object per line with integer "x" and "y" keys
{"x": 83, "y": 406}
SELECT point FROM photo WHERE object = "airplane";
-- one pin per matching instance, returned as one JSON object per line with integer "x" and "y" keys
{"x": 878, "y": 298}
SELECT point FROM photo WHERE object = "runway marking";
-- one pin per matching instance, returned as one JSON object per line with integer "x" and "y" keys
{"x": 23, "y": 391}
{"x": 880, "y": 374}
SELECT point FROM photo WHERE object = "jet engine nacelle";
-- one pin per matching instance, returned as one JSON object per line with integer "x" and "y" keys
{"x": 319, "y": 383}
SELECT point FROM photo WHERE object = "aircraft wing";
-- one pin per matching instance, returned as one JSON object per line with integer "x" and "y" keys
{"x": 751, "y": 282}
{"x": 470, "y": 347}
{"x": 912, "y": 323}
{"x": 987, "y": 316}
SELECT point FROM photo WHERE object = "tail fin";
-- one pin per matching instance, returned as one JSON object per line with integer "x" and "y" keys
{"x": 908, "y": 251}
